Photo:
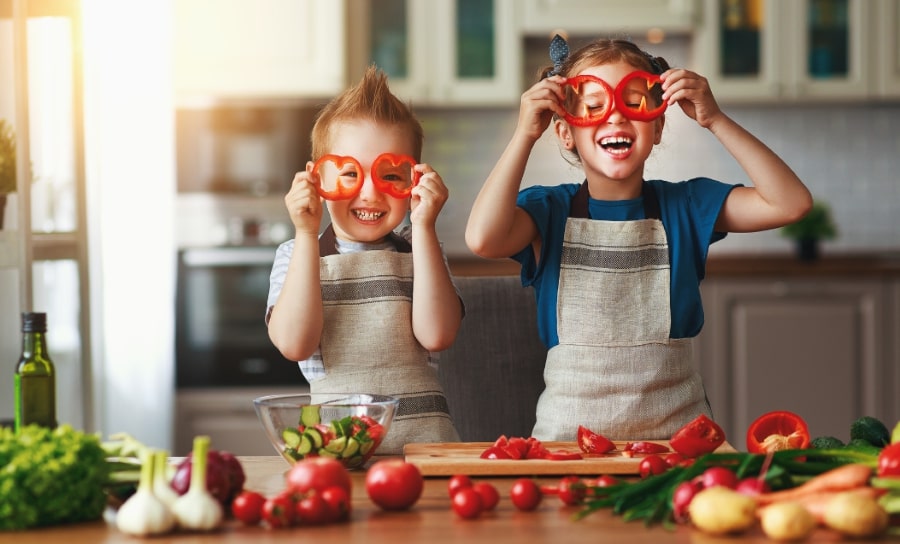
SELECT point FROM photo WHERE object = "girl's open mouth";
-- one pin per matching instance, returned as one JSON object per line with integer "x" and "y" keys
{"x": 616, "y": 144}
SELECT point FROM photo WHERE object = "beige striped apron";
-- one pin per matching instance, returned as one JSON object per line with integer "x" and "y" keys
{"x": 615, "y": 369}
{"x": 368, "y": 345}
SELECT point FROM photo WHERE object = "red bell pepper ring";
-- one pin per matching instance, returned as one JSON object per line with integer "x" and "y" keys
{"x": 340, "y": 192}
{"x": 644, "y": 448}
{"x": 395, "y": 165}
{"x": 562, "y": 455}
{"x": 700, "y": 435}
{"x": 591, "y": 442}
{"x": 777, "y": 430}
{"x": 615, "y": 99}
{"x": 641, "y": 112}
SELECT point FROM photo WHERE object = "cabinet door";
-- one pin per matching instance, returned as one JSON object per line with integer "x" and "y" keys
{"x": 268, "y": 48}
{"x": 887, "y": 49}
{"x": 813, "y": 347}
{"x": 600, "y": 16}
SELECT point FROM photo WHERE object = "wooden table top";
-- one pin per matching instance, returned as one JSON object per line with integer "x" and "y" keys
{"x": 431, "y": 520}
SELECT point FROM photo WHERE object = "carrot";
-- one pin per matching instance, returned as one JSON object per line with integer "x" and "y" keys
{"x": 843, "y": 478}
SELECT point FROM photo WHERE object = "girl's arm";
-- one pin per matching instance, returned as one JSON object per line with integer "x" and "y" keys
{"x": 497, "y": 227}
{"x": 437, "y": 310}
{"x": 777, "y": 197}
{"x": 295, "y": 326}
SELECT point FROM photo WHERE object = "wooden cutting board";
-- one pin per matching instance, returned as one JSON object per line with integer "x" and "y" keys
{"x": 449, "y": 458}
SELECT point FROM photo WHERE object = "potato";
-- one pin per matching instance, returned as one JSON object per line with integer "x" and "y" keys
{"x": 855, "y": 515}
{"x": 787, "y": 521}
{"x": 719, "y": 510}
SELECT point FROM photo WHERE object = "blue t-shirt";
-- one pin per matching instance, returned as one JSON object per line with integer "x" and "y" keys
{"x": 688, "y": 210}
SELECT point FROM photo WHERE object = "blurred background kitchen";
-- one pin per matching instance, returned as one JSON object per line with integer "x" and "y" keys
{"x": 161, "y": 137}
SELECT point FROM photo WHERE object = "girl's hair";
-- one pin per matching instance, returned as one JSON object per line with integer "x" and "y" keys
{"x": 372, "y": 100}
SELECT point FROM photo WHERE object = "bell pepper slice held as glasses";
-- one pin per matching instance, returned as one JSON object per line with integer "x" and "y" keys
{"x": 394, "y": 161}
{"x": 699, "y": 436}
{"x": 642, "y": 112}
{"x": 616, "y": 99}
{"x": 340, "y": 192}
{"x": 777, "y": 430}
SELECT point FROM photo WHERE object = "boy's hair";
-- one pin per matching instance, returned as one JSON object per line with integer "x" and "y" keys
{"x": 372, "y": 100}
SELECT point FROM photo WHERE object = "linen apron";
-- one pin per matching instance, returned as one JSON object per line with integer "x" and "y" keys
{"x": 615, "y": 369}
{"x": 368, "y": 345}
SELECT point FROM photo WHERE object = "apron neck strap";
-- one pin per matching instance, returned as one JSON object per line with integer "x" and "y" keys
{"x": 579, "y": 206}
{"x": 328, "y": 242}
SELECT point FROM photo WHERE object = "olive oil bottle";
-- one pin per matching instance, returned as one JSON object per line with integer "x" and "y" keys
{"x": 35, "y": 379}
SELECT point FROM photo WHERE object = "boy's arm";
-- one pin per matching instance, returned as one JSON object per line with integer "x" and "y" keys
{"x": 777, "y": 197}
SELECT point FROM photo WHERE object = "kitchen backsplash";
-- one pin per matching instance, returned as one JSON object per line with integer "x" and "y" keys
{"x": 846, "y": 155}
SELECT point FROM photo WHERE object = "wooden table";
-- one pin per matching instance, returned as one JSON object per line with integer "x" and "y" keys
{"x": 430, "y": 521}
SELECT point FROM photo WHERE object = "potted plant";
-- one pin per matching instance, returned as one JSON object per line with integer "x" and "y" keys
{"x": 7, "y": 165}
{"x": 807, "y": 232}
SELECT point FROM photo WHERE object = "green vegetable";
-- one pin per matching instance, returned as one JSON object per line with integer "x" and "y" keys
{"x": 871, "y": 430}
{"x": 50, "y": 477}
{"x": 826, "y": 442}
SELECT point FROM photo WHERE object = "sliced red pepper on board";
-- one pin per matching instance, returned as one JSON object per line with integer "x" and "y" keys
{"x": 777, "y": 430}
{"x": 562, "y": 455}
{"x": 700, "y": 435}
{"x": 591, "y": 442}
{"x": 644, "y": 447}
{"x": 494, "y": 452}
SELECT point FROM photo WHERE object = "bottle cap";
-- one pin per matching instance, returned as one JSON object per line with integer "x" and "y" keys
{"x": 34, "y": 322}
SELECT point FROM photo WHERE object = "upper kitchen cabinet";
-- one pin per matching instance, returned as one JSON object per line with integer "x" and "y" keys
{"x": 593, "y": 17}
{"x": 440, "y": 52}
{"x": 261, "y": 49}
{"x": 804, "y": 50}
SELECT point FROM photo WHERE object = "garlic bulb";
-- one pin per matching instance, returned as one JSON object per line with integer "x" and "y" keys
{"x": 161, "y": 487}
{"x": 143, "y": 514}
{"x": 197, "y": 509}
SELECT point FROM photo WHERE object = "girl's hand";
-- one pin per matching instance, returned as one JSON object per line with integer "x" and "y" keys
{"x": 427, "y": 197}
{"x": 538, "y": 104}
{"x": 303, "y": 203}
{"x": 691, "y": 91}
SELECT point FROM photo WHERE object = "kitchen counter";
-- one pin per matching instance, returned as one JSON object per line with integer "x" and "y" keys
{"x": 430, "y": 520}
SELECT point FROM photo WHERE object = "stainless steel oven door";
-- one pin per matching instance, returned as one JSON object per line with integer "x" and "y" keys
{"x": 220, "y": 334}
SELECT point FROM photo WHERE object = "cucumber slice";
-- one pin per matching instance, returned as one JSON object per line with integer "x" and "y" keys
{"x": 325, "y": 453}
{"x": 336, "y": 445}
{"x": 351, "y": 449}
{"x": 291, "y": 437}
{"x": 306, "y": 445}
{"x": 315, "y": 436}
{"x": 309, "y": 415}
{"x": 364, "y": 447}
{"x": 354, "y": 462}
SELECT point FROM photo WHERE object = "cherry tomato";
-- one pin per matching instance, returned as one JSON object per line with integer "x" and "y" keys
{"x": 572, "y": 490}
{"x": 467, "y": 503}
{"x": 889, "y": 460}
{"x": 489, "y": 495}
{"x": 714, "y": 476}
{"x": 700, "y": 435}
{"x": 525, "y": 494}
{"x": 673, "y": 459}
{"x": 247, "y": 507}
{"x": 316, "y": 474}
{"x": 278, "y": 511}
{"x": 338, "y": 501}
{"x": 394, "y": 484}
{"x": 457, "y": 482}
{"x": 651, "y": 465}
{"x": 682, "y": 497}
{"x": 596, "y": 486}
{"x": 591, "y": 442}
{"x": 312, "y": 510}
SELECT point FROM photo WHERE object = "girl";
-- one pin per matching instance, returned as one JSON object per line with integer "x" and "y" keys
{"x": 616, "y": 261}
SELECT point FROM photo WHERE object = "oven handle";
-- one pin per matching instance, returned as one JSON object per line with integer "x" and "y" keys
{"x": 228, "y": 256}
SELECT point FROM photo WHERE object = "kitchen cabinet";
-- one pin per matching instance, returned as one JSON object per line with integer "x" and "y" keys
{"x": 227, "y": 416}
{"x": 267, "y": 48}
{"x": 798, "y": 51}
{"x": 817, "y": 346}
{"x": 440, "y": 52}
{"x": 604, "y": 16}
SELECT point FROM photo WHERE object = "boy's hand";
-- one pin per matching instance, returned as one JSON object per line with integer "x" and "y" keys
{"x": 427, "y": 197}
{"x": 691, "y": 91}
{"x": 304, "y": 203}
{"x": 538, "y": 104}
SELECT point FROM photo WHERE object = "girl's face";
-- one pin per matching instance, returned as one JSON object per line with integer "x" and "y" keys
{"x": 371, "y": 215}
{"x": 616, "y": 149}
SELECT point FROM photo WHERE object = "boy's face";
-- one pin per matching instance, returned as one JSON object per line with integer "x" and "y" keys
{"x": 371, "y": 215}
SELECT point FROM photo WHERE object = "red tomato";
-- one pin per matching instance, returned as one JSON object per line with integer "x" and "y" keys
{"x": 394, "y": 484}
{"x": 338, "y": 501}
{"x": 525, "y": 494}
{"x": 699, "y": 436}
{"x": 312, "y": 510}
{"x": 278, "y": 511}
{"x": 673, "y": 459}
{"x": 247, "y": 507}
{"x": 317, "y": 474}
{"x": 489, "y": 495}
{"x": 467, "y": 503}
{"x": 572, "y": 490}
{"x": 591, "y": 442}
{"x": 457, "y": 482}
{"x": 889, "y": 460}
{"x": 778, "y": 430}
{"x": 651, "y": 465}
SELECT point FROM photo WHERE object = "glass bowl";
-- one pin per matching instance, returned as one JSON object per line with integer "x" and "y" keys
{"x": 346, "y": 426}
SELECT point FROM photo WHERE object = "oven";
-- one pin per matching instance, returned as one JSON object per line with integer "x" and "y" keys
{"x": 220, "y": 335}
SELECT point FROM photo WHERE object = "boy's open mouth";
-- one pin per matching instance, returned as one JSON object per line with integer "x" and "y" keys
{"x": 616, "y": 144}
{"x": 367, "y": 215}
